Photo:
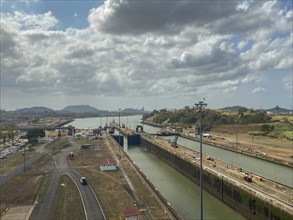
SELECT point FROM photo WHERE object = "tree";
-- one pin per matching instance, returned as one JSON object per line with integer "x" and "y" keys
{"x": 35, "y": 132}
{"x": 33, "y": 140}
{"x": 241, "y": 111}
{"x": 267, "y": 128}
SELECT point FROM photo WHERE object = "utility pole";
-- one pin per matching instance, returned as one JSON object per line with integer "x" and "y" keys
{"x": 119, "y": 130}
{"x": 201, "y": 104}
{"x": 107, "y": 118}
{"x": 23, "y": 158}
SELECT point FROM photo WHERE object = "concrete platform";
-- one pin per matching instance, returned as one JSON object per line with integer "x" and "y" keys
{"x": 18, "y": 213}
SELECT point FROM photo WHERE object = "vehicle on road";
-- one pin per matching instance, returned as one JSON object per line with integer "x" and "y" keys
{"x": 85, "y": 146}
{"x": 83, "y": 180}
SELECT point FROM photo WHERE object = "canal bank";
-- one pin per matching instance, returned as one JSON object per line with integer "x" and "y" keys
{"x": 179, "y": 196}
{"x": 250, "y": 203}
{"x": 250, "y": 153}
{"x": 237, "y": 148}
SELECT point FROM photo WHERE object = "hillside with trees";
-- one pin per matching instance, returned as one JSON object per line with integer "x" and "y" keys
{"x": 188, "y": 116}
{"x": 260, "y": 122}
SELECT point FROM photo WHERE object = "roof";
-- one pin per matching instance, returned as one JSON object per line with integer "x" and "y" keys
{"x": 108, "y": 162}
{"x": 130, "y": 213}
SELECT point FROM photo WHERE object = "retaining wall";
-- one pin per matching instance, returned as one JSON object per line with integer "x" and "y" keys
{"x": 244, "y": 201}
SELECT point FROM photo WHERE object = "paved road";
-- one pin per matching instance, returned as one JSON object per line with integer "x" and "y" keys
{"x": 91, "y": 205}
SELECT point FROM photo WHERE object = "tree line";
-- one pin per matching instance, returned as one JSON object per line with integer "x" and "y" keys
{"x": 190, "y": 116}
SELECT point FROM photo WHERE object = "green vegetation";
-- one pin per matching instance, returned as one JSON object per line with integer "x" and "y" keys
{"x": 43, "y": 185}
{"x": 187, "y": 116}
{"x": 15, "y": 160}
{"x": 7, "y": 132}
{"x": 33, "y": 134}
{"x": 276, "y": 126}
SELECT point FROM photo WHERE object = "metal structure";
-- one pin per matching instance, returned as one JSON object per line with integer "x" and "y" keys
{"x": 201, "y": 104}
{"x": 119, "y": 131}
{"x": 174, "y": 141}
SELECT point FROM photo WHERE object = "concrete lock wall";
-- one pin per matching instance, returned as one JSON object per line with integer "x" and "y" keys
{"x": 119, "y": 139}
{"x": 243, "y": 201}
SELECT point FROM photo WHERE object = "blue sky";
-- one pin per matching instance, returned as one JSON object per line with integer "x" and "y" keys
{"x": 157, "y": 54}
{"x": 69, "y": 13}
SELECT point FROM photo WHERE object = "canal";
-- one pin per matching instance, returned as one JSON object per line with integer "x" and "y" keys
{"x": 273, "y": 171}
{"x": 177, "y": 189}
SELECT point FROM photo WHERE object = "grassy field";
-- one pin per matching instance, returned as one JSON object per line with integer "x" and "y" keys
{"x": 15, "y": 160}
{"x": 24, "y": 188}
{"x": 283, "y": 118}
{"x": 43, "y": 185}
{"x": 107, "y": 185}
{"x": 68, "y": 204}
{"x": 19, "y": 191}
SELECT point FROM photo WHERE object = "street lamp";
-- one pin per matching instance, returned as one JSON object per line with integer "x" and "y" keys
{"x": 119, "y": 129}
{"x": 236, "y": 134}
{"x": 23, "y": 154}
{"x": 200, "y": 104}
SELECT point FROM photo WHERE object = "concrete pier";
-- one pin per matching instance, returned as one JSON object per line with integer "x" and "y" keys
{"x": 254, "y": 200}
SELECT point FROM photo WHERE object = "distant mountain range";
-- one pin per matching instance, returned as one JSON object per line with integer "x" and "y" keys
{"x": 89, "y": 111}
{"x": 72, "y": 110}
{"x": 272, "y": 110}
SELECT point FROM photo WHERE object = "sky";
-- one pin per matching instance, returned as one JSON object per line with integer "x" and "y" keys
{"x": 146, "y": 53}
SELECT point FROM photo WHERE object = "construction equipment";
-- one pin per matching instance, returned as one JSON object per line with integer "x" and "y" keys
{"x": 174, "y": 141}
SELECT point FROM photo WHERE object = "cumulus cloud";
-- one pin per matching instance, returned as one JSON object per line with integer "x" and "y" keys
{"x": 258, "y": 89}
{"x": 136, "y": 17}
{"x": 25, "y": 21}
{"x": 147, "y": 48}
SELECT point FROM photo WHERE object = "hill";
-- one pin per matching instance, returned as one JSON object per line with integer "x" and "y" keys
{"x": 233, "y": 108}
{"x": 81, "y": 109}
{"x": 33, "y": 110}
{"x": 270, "y": 110}
{"x": 278, "y": 110}
{"x": 132, "y": 111}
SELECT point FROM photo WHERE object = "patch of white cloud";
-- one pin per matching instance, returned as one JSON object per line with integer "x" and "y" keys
{"x": 26, "y": 21}
{"x": 258, "y": 90}
{"x": 288, "y": 82}
{"x": 242, "y": 44}
{"x": 289, "y": 14}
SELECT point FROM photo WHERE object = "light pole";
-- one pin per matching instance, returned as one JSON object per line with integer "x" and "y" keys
{"x": 236, "y": 134}
{"x": 200, "y": 104}
{"x": 119, "y": 129}
{"x": 107, "y": 118}
{"x": 23, "y": 158}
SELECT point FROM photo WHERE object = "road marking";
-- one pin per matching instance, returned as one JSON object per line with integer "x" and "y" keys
{"x": 80, "y": 197}
{"x": 93, "y": 193}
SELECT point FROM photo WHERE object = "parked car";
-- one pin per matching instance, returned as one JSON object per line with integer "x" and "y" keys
{"x": 3, "y": 156}
{"x": 83, "y": 180}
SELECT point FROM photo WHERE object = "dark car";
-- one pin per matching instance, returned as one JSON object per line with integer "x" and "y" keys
{"x": 83, "y": 181}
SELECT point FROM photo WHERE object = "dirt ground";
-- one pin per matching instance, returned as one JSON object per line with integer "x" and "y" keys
{"x": 237, "y": 138}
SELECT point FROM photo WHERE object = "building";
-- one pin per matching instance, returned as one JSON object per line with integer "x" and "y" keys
{"x": 130, "y": 214}
{"x": 92, "y": 137}
{"x": 108, "y": 165}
